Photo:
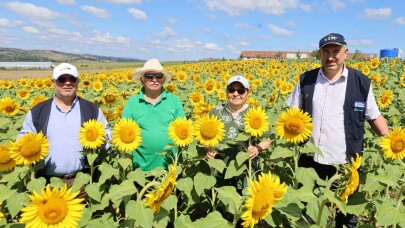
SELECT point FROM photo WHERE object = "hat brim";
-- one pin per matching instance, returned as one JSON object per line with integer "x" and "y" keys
{"x": 138, "y": 73}
{"x": 340, "y": 44}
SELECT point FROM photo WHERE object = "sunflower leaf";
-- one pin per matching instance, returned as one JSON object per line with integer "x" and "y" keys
{"x": 36, "y": 184}
{"x": 118, "y": 192}
{"x": 213, "y": 220}
{"x": 234, "y": 169}
{"x": 80, "y": 180}
{"x": 218, "y": 164}
{"x": 230, "y": 197}
{"x": 16, "y": 202}
{"x": 202, "y": 182}
{"x": 125, "y": 162}
{"x": 185, "y": 185}
{"x": 389, "y": 214}
{"x": 281, "y": 152}
{"x": 138, "y": 176}
{"x": 142, "y": 215}
{"x": 310, "y": 148}
{"x": 242, "y": 137}
{"x": 93, "y": 190}
{"x": 183, "y": 221}
{"x": 241, "y": 157}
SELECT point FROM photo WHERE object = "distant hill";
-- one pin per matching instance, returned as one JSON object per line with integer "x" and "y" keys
{"x": 20, "y": 55}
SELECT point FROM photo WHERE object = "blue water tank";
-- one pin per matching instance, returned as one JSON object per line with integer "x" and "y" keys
{"x": 389, "y": 53}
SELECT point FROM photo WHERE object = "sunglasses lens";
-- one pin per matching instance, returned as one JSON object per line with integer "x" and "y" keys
{"x": 64, "y": 79}
{"x": 240, "y": 91}
{"x": 151, "y": 75}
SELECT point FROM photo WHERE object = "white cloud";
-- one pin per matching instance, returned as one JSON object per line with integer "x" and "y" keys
{"x": 212, "y": 47}
{"x": 32, "y": 11}
{"x": 4, "y": 22}
{"x": 30, "y": 29}
{"x": 306, "y": 7}
{"x": 361, "y": 42}
{"x": 279, "y": 31}
{"x": 238, "y": 7}
{"x": 244, "y": 43}
{"x": 400, "y": 21}
{"x": 233, "y": 49}
{"x": 127, "y": 2}
{"x": 107, "y": 38}
{"x": 380, "y": 13}
{"x": 243, "y": 26}
{"x": 98, "y": 12}
{"x": 66, "y": 2}
{"x": 137, "y": 14}
{"x": 337, "y": 5}
{"x": 167, "y": 32}
{"x": 172, "y": 20}
{"x": 206, "y": 30}
{"x": 182, "y": 45}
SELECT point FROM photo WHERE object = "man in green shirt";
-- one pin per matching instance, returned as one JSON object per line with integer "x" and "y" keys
{"x": 152, "y": 109}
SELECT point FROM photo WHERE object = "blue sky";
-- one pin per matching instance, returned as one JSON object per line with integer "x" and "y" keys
{"x": 198, "y": 29}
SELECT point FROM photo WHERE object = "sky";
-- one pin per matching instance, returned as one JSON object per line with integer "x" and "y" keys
{"x": 177, "y": 30}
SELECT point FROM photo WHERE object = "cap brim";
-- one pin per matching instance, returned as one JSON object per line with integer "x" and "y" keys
{"x": 340, "y": 44}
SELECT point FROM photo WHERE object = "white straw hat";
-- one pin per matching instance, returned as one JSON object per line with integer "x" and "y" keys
{"x": 151, "y": 65}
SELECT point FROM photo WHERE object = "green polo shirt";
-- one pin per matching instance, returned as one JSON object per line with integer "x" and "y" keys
{"x": 153, "y": 121}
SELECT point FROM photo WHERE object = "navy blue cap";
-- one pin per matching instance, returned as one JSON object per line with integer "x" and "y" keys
{"x": 332, "y": 38}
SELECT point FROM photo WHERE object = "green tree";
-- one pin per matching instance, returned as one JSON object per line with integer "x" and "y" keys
{"x": 357, "y": 55}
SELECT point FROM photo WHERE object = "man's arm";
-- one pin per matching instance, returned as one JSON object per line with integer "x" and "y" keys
{"x": 379, "y": 125}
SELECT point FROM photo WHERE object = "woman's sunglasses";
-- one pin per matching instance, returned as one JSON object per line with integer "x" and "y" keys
{"x": 152, "y": 75}
{"x": 64, "y": 79}
{"x": 240, "y": 91}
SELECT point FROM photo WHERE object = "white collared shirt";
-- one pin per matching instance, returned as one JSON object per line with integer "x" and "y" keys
{"x": 328, "y": 133}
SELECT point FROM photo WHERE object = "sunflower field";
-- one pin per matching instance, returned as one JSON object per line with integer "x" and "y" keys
{"x": 277, "y": 193}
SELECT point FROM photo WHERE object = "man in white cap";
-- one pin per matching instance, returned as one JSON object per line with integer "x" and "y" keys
{"x": 339, "y": 99}
{"x": 60, "y": 119}
{"x": 153, "y": 109}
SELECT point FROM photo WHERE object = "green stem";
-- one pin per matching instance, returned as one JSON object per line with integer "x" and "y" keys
{"x": 144, "y": 189}
{"x": 213, "y": 198}
{"x": 295, "y": 157}
{"x": 250, "y": 161}
{"x": 400, "y": 196}
{"x": 318, "y": 218}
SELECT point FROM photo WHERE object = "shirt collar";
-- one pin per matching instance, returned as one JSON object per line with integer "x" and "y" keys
{"x": 345, "y": 74}
{"x": 163, "y": 95}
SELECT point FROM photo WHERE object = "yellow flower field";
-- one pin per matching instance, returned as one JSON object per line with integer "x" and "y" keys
{"x": 189, "y": 194}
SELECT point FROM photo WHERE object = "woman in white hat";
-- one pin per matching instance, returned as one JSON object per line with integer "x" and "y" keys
{"x": 152, "y": 109}
{"x": 231, "y": 114}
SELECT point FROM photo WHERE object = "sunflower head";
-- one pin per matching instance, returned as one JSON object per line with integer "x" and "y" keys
{"x": 209, "y": 130}
{"x": 256, "y": 123}
{"x": 393, "y": 145}
{"x": 92, "y": 134}
{"x": 6, "y": 161}
{"x": 294, "y": 125}
{"x": 264, "y": 194}
{"x": 9, "y": 107}
{"x": 53, "y": 208}
{"x": 30, "y": 148}
{"x": 181, "y": 131}
{"x": 156, "y": 198}
{"x": 126, "y": 135}
{"x": 385, "y": 99}
{"x": 353, "y": 179}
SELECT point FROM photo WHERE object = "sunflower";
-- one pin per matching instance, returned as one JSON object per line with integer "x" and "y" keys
{"x": 353, "y": 182}
{"x": 294, "y": 125}
{"x": 156, "y": 198}
{"x": 92, "y": 134}
{"x": 9, "y": 107}
{"x": 273, "y": 97}
{"x": 264, "y": 194}
{"x": 201, "y": 109}
{"x": 6, "y": 161}
{"x": 108, "y": 114}
{"x": 181, "y": 131}
{"x": 385, "y": 99}
{"x": 209, "y": 130}
{"x": 255, "y": 121}
{"x": 109, "y": 98}
{"x": 393, "y": 145}
{"x": 222, "y": 95}
{"x": 29, "y": 148}
{"x": 209, "y": 86}
{"x": 53, "y": 208}
{"x": 195, "y": 98}
{"x": 126, "y": 135}
{"x": 402, "y": 79}
{"x": 97, "y": 85}
{"x": 23, "y": 81}
{"x": 23, "y": 94}
{"x": 170, "y": 87}
{"x": 37, "y": 99}
{"x": 181, "y": 76}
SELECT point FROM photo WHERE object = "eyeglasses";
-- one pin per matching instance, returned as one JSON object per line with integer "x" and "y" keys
{"x": 151, "y": 75}
{"x": 240, "y": 91}
{"x": 64, "y": 79}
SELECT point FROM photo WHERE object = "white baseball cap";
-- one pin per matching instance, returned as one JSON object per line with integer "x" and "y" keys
{"x": 240, "y": 79}
{"x": 64, "y": 68}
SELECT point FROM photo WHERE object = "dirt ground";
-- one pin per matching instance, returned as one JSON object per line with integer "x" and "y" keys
{"x": 9, "y": 74}
{"x": 16, "y": 74}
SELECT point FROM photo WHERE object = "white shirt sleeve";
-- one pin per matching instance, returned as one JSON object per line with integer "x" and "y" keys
{"x": 372, "y": 111}
{"x": 295, "y": 97}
